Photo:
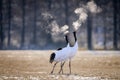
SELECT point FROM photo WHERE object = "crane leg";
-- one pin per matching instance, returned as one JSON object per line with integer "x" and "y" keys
{"x": 61, "y": 69}
{"x": 53, "y": 67}
{"x": 70, "y": 66}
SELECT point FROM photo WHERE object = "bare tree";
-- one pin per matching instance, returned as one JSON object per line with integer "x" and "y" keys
{"x": 105, "y": 29}
{"x": 89, "y": 31}
{"x": 49, "y": 4}
{"x": 118, "y": 17}
{"x": 66, "y": 11}
{"x": 9, "y": 22}
{"x": 23, "y": 24}
{"x": 115, "y": 24}
{"x": 1, "y": 25}
{"x": 34, "y": 24}
{"x": 105, "y": 38}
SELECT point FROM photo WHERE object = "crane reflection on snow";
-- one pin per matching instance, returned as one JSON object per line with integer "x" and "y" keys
{"x": 64, "y": 54}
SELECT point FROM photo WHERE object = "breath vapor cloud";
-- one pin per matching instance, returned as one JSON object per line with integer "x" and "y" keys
{"x": 55, "y": 30}
{"x": 82, "y": 12}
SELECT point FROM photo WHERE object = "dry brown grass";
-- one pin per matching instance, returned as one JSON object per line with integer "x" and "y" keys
{"x": 34, "y": 65}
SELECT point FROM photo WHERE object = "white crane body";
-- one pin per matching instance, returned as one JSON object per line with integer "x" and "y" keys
{"x": 62, "y": 55}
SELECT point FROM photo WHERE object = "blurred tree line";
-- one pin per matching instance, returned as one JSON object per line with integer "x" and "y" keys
{"x": 24, "y": 24}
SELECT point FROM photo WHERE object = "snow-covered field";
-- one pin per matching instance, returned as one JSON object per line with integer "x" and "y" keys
{"x": 34, "y": 65}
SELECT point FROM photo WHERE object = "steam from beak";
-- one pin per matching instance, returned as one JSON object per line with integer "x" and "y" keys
{"x": 82, "y": 12}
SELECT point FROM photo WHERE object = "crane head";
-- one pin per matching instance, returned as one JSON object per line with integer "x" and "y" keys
{"x": 52, "y": 56}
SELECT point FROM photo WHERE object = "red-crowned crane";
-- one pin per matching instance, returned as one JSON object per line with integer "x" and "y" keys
{"x": 63, "y": 54}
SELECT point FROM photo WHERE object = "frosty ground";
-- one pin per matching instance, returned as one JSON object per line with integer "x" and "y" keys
{"x": 34, "y": 65}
